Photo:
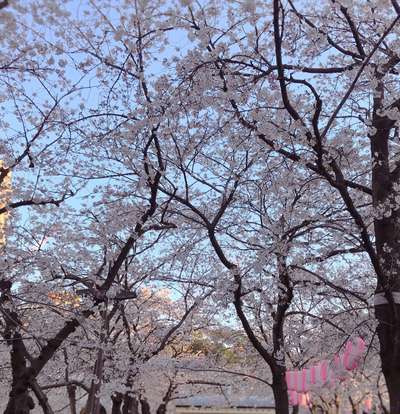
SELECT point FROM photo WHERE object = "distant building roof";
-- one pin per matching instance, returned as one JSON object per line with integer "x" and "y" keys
{"x": 216, "y": 401}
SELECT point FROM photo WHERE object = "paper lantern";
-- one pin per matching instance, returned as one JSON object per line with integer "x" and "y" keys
{"x": 327, "y": 373}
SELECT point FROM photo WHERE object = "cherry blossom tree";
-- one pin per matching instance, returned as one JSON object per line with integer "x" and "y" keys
{"x": 317, "y": 85}
{"x": 34, "y": 94}
{"x": 276, "y": 274}
{"x": 246, "y": 150}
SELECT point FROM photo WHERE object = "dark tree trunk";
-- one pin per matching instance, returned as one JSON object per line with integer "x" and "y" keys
{"x": 20, "y": 402}
{"x": 71, "y": 390}
{"x": 162, "y": 408}
{"x": 337, "y": 404}
{"x": 389, "y": 339}
{"x": 390, "y": 366}
{"x": 278, "y": 369}
{"x": 279, "y": 390}
{"x": 354, "y": 406}
{"x": 23, "y": 377}
{"x": 387, "y": 241}
{"x": 145, "y": 407}
{"x": 117, "y": 399}
{"x": 93, "y": 404}
{"x": 131, "y": 405}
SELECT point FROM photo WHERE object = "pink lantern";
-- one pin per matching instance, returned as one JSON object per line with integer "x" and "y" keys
{"x": 327, "y": 372}
{"x": 368, "y": 404}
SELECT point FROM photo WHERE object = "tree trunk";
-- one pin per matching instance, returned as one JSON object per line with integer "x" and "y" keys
{"x": 71, "y": 390}
{"x": 117, "y": 399}
{"x": 279, "y": 390}
{"x": 145, "y": 407}
{"x": 388, "y": 332}
{"x": 19, "y": 402}
{"x": 93, "y": 403}
{"x": 387, "y": 242}
{"x": 389, "y": 339}
{"x": 354, "y": 406}
{"x": 278, "y": 369}
{"x": 131, "y": 405}
{"x": 337, "y": 404}
{"x": 162, "y": 408}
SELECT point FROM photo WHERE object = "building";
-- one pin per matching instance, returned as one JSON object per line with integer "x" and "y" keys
{"x": 218, "y": 404}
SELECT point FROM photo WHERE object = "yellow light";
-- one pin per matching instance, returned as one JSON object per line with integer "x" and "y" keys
{"x": 65, "y": 298}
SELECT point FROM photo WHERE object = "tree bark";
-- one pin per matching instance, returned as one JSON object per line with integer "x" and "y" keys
{"x": 389, "y": 351}
{"x": 279, "y": 390}
{"x": 162, "y": 408}
{"x": 145, "y": 407}
{"x": 131, "y": 405}
{"x": 387, "y": 242}
{"x": 71, "y": 390}
{"x": 93, "y": 403}
{"x": 117, "y": 399}
{"x": 20, "y": 402}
